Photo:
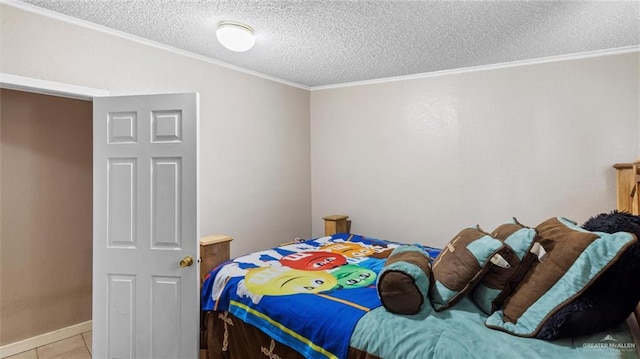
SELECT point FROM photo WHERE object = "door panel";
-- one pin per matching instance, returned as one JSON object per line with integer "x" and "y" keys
{"x": 121, "y": 202}
{"x": 166, "y": 293}
{"x": 145, "y": 221}
{"x": 166, "y": 203}
{"x": 120, "y": 317}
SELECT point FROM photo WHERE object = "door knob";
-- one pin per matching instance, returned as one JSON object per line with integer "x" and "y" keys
{"x": 186, "y": 262}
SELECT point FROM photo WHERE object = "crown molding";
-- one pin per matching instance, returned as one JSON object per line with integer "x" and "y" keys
{"x": 504, "y": 65}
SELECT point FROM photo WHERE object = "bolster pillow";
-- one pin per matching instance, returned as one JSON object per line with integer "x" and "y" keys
{"x": 403, "y": 283}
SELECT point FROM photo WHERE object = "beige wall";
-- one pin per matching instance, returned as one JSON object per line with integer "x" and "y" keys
{"x": 418, "y": 160}
{"x": 45, "y": 251}
{"x": 255, "y": 170}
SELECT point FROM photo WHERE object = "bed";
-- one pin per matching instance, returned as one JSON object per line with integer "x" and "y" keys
{"x": 305, "y": 316}
{"x": 265, "y": 304}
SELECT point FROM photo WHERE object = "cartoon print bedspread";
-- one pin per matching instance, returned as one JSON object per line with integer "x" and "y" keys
{"x": 307, "y": 295}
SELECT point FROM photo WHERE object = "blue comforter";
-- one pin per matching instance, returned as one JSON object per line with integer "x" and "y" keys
{"x": 307, "y": 295}
{"x": 459, "y": 332}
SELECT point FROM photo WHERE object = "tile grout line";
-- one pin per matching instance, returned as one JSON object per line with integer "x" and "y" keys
{"x": 85, "y": 344}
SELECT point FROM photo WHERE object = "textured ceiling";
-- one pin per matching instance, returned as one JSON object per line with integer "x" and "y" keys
{"x": 316, "y": 43}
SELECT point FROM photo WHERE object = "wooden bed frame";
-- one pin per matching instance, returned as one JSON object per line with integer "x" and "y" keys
{"x": 215, "y": 249}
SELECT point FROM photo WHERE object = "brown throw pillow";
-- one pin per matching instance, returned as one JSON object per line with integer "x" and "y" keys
{"x": 461, "y": 265}
{"x": 507, "y": 266}
{"x": 574, "y": 259}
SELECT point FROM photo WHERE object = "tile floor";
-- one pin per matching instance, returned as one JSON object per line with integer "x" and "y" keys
{"x": 78, "y": 347}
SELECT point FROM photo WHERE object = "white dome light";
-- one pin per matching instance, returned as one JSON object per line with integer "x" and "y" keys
{"x": 235, "y": 36}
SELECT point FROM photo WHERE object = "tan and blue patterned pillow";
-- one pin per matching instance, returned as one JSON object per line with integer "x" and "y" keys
{"x": 460, "y": 265}
{"x": 507, "y": 266}
{"x": 575, "y": 257}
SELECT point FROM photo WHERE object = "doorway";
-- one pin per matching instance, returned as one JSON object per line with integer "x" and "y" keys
{"x": 169, "y": 140}
{"x": 46, "y": 215}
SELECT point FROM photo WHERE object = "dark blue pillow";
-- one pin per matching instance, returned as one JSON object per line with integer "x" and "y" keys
{"x": 612, "y": 297}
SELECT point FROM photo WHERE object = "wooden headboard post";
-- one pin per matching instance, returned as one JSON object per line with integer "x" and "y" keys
{"x": 627, "y": 186}
{"x": 336, "y": 223}
{"x": 214, "y": 250}
{"x": 628, "y": 200}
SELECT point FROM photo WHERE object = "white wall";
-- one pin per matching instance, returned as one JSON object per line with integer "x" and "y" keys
{"x": 418, "y": 160}
{"x": 255, "y": 150}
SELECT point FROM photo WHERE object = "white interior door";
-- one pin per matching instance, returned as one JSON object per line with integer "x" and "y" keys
{"x": 146, "y": 220}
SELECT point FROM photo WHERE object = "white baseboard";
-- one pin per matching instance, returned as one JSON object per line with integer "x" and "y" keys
{"x": 44, "y": 339}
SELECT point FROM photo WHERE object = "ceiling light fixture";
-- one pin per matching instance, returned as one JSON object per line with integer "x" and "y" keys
{"x": 235, "y": 36}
